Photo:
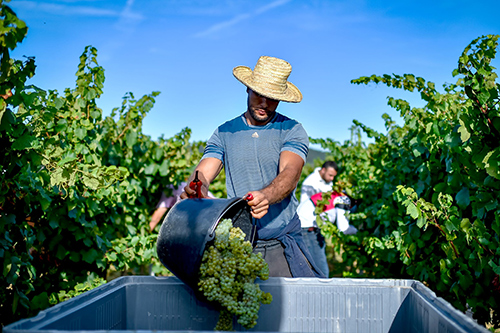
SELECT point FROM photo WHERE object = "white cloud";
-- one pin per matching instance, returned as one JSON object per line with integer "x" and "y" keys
{"x": 239, "y": 18}
{"x": 128, "y": 18}
{"x": 68, "y": 9}
{"x": 270, "y": 6}
{"x": 64, "y": 9}
{"x": 223, "y": 25}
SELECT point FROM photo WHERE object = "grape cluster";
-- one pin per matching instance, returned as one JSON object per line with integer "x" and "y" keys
{"x": 227, "y": 276}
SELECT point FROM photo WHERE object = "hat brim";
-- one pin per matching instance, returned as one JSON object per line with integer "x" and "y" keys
{"x": 244, "y": 74}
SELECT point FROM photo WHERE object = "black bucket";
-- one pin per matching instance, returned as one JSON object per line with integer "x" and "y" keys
{"x": 190, "y": 225}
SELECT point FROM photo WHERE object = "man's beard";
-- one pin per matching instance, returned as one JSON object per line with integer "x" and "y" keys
{"x": 258, "y": 118}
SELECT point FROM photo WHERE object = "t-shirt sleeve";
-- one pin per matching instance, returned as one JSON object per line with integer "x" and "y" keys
{"x": 166, "y": 202}
{"x": 306, "y": 192}
{"x": 303, "y": 195}
{"x": 215, "y": 147}
{"x": 297, "y": 141}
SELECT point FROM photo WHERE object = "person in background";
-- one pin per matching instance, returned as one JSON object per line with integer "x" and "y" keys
{"x": 320, "y": 180}
{"x": 263, "y": 152}
{"x": 166, "y": 203}
{"x": 334, "y": 212}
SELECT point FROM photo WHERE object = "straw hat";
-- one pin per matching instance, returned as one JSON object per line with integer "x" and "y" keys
{"x": 269, "y": 79}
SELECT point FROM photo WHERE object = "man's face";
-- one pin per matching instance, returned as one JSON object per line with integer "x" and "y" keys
{"x": 260, "y": 109}
{"x": 328, "y": 174}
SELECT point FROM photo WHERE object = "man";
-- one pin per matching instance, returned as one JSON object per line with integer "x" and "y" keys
{"x": 263, "y": 153}
{"x": 320, "y": 180}
{"x": 333, "y": 212}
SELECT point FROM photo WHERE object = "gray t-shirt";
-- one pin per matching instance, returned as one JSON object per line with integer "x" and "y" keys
{"x": 250, "y": 155}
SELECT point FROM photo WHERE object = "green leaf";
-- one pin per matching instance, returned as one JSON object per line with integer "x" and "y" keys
{"x": 151, "y": 169}
{"x": 496, "y": 268}
{"x": 73, "y": 213}
{"x": 81, "y": 133}
{"x": 7, "y": 118}
{"x": 61, "y": 252}
{"x": 496, "y": 123}
{"x": 483, "y": 97}
{"x": 75, "y": 256}
{"x": 56, "y": 177}
{"x": 58, "y": 102}
{"x": 112, "y": 256}
{"x": 90, "y": 182}
{"x": 412, "y": 210}
{"x": 96, "y": 114}
{"x": 99, "y": 241}
{"x": 421, "y": 221}
{"x": 40, "y": 301}
{"x": 462, "y": 197}
{"x": 465, "y": 225}
{"x": 91, "y": 94}
{"x": 81, "y": 103}
{"x": 6, "y": 269}
{"x": 164, "y": 168}
{"x": 484, "y": 241}
{"x": 67, "y": 159}
{"x": 45, "y": 203}
{"x": 90, "y": 256}
{"x": 487, "y": 157}
{"x": 158, "y": 153}
{"x": 15, "y": 302}
{"x": 23, "y": 142}
{"x": 131, "y": 138}
{"x": 465, "y": 280}
{"x": 450, "y": 226}
{"x": 53, "y": 224}
{"x": 62, "y": 122}
{"x": 464, "y": 134}
{"x": 492, "y": 165}
{"x": 3, "y": 108}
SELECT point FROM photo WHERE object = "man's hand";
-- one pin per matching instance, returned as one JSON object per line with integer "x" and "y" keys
{"x": 191, "y": 193}
{"x": 207, "y": 170}
{"x": 259, "y": 205}
{"x": 286, "y": 181}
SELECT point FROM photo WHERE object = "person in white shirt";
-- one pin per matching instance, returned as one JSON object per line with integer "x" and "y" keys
{"x": 320, "y": 180}
{"x": 334, "y": 212}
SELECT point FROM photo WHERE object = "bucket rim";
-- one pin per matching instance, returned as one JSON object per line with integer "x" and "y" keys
{"x": 211, "y": 232}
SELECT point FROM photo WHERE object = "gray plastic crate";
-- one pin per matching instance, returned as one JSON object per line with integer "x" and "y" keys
{"x": 148, "y": 303}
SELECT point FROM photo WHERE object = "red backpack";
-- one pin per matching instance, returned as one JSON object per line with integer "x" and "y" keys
{"x": 332, "y": 202}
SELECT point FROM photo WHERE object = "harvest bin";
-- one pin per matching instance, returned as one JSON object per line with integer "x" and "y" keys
{"x": 148, "y": 303}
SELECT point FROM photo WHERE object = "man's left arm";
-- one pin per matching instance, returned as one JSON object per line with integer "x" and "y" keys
{"x": 290, "y": 168}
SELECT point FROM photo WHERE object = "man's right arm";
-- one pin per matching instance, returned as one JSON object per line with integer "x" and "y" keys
{"x": 208, "y": 169}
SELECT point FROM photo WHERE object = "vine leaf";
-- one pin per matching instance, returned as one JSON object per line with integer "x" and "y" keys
{"x": 462, "y": 197}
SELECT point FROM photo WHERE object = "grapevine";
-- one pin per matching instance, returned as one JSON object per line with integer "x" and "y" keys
{"x": 227, "y": 276}
{"x": 78, "y": 213}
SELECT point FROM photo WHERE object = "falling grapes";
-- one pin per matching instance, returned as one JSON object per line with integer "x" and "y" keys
{"x": 227, "y": 276}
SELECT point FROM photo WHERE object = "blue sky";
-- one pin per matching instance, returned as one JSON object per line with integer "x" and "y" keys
{"x": 186, "y": 49}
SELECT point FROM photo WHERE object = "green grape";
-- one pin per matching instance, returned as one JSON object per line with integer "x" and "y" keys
{"x": 225, "y": 322}
{"x": 227, "y": 276}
